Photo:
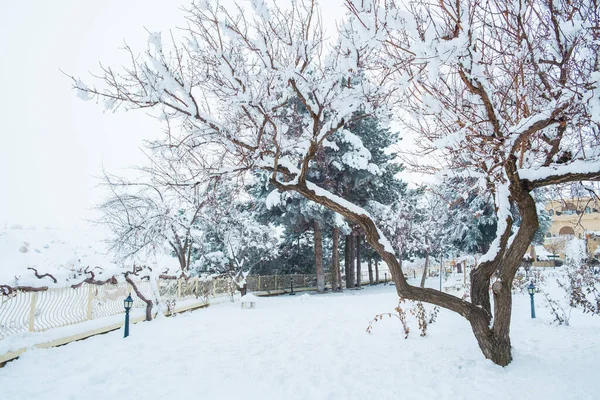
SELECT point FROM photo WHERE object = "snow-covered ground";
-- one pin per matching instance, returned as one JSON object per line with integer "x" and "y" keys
{"x": 314, "y": 347}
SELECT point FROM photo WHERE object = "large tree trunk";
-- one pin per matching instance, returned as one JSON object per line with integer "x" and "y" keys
{"x": 370, "y": 263}
{"x": 320, "y": 271}
{"x": 376, "y": 271}
{"x": 358, "y": 269}
{"x": 336, "y": 282}
{"x": 425, "y": 269}
{"x": 495, "y": 341}
{"x": 349, "y": 265}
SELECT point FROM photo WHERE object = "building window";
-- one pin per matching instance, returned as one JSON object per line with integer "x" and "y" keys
{"x": 551, "y": 212}
{"x": 588, "y": 210}
{"x": 569, "y": 209}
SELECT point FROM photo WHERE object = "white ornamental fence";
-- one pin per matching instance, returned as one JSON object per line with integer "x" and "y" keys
{"x": 53, "y": 308}
{"x": 39, "y": 311}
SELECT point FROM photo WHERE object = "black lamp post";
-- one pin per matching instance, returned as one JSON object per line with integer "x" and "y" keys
{"x": 531, "y": 291}
{"x": 385, "y": 283}
{"x": 292, "y": 286}
{"x": 128, "y": 303}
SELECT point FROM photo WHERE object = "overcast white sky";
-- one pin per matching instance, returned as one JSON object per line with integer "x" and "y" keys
{"x": 52, "y": 144}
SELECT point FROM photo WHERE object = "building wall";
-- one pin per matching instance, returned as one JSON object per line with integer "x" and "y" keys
{"x": 574, "y": 217}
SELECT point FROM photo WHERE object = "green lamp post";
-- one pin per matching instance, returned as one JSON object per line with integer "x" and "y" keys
{"x": 128, "y": 303}
{"x": 531, "y": 291}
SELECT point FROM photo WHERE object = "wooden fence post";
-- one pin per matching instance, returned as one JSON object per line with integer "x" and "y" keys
{"x": 90, "y": 301}
{"x": 32, "y": 312}
{"x": 259, "y": 288}
{"x": 275, "y": 282}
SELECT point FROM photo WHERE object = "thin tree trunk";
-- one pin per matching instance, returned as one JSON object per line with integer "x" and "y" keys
{"x": 335, "y": 262}
{"x": 425, "y": 269}
{"x": 376, "y": 271}
{"x": 141, "y": 297}
{"x": 338, "y": 269}
{"x": 180, "y": 253}
{"x": 346, "y": 261}
{"x": 350, "y": 261}
{"x": 319, "y": 269}
{"x": 358, "y": 270}
{"x": 370, "y": 263}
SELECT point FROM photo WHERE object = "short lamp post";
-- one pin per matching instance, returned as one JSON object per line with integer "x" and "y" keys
{"x": 128, "y": 303}
{"x": 292, "y": 286}
{"x": 385, "y": 282}
{"x": 531, "y": 291}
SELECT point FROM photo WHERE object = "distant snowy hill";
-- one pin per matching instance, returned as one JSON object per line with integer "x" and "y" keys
{"x": 57, "y": 251}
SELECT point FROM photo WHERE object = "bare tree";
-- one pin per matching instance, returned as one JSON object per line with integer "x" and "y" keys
{"x": 149, "y": 217}
{"x": 506, "y": 92}
{"x": 229, "y": 81}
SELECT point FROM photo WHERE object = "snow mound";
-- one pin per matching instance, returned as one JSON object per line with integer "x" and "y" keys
{"x": 249, "y": 298}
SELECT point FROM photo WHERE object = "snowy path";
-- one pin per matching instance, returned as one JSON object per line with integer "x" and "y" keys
{"x": 312, "y": 347}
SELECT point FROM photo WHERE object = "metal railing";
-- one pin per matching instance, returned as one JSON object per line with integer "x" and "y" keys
{"x": 273, "y": 283}
{"x": 54, "y": 308}
{"x": 39, "y": 311}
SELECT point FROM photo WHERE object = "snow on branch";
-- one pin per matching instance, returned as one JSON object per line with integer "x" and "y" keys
{"x": 560, "y": 173}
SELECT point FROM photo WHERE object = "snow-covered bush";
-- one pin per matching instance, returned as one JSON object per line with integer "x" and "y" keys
{"x": 581, "y": 283}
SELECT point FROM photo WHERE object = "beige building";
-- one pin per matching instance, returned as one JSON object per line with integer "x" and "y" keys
{"x": 574, "y": 217}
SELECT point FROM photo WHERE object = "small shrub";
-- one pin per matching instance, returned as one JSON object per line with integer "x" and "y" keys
{"x": 420, "y": 313}
{"x": 582, "y": 282}
{"x": 400, "y": 314}
{"x": 560, "y": 315}
{"x": 467, "y": 293}
{"x": 206, "y": 290}
{"x": 171, "y": 307}
{"x": 424, "y": 319}
{"x": 582, "y": 288}
{"x": 520, "y": 283}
